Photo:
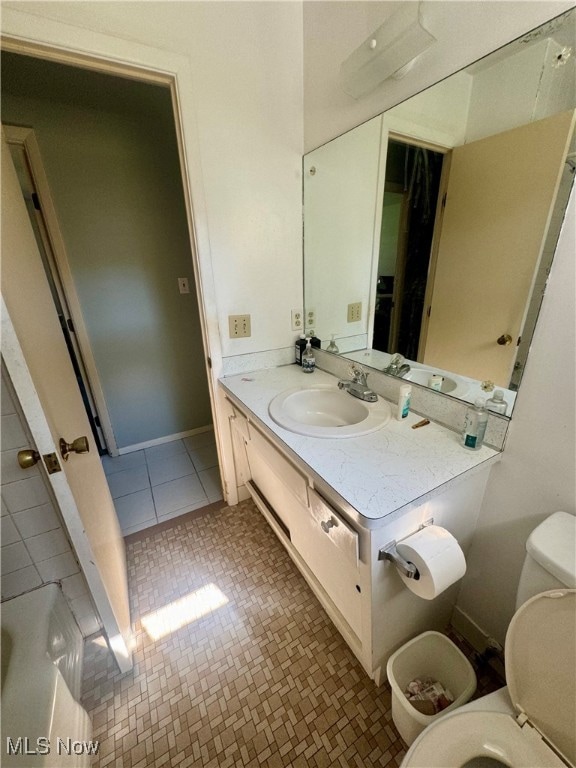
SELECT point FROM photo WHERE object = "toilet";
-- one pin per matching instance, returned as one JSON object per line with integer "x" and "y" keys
{"x": 530, "y": 722}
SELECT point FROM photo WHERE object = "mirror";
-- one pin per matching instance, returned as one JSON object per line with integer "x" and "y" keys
{"x": 429, "y": 230}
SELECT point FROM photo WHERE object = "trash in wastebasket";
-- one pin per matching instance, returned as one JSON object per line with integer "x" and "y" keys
{"x": 428, "y": 696}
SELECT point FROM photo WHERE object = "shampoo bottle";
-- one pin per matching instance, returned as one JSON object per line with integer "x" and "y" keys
{"x": 475, "y": 425}
{"x": 308, "y": 359}
{"x": 404, "y": 396}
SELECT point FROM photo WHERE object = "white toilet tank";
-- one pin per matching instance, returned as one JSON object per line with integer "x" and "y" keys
{"x": 550, "y": 561}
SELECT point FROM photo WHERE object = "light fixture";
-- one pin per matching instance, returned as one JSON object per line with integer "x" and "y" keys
{"x": 389, "y": 52}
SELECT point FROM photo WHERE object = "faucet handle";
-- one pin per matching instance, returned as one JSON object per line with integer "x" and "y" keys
{"x": 359, "y": 374}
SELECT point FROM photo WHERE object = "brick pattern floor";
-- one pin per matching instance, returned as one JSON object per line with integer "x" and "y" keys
{"x": 263, "y": 680}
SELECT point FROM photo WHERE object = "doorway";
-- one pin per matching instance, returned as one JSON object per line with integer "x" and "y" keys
{"x": 110, "y": 152}
{"x": 411, "y": 191}
{"x": 127, "y": 256}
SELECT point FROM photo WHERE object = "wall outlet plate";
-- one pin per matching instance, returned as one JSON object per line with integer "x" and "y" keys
{"x": 355, "y": 312}
{"x": 297, "y": 320}
{"x": 310, "y": 318}
{"x": 239, "y": 326}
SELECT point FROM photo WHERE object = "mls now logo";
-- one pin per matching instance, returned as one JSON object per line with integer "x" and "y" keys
{"x": 42, "y": 746}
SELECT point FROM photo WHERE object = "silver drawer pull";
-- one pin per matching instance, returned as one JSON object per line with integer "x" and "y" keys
{"x": 327, "y": 524}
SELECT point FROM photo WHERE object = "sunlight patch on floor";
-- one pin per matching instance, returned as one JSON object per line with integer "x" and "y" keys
{"x": 184, "y": 611}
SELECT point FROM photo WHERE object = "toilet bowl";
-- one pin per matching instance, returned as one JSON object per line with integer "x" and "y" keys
{"x": 531, "y": 723}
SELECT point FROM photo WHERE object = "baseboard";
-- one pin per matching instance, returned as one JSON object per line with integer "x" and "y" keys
{"x": 469, "y": 630}
{"x": 166, "y": 439}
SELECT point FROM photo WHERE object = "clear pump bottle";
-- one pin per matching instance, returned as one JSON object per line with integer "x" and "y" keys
{"x": 496, "y": 403}
{"x": 475, "y": 425}
{"x": 308, "y": 359}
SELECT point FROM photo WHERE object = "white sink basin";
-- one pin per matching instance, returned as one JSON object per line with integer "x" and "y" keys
{"x": 327, "y": 412}
{"x": 450, "y": 385}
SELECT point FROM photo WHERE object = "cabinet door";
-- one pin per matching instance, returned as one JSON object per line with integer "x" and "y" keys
{"x": 277, "y": 480}
{"x": 329, "y": 546}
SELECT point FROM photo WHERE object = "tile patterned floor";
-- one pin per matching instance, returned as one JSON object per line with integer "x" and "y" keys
{"x": 159, "y": 483}
{"x": 263, "y": 680}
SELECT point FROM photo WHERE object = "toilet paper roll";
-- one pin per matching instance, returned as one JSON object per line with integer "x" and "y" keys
{"x": 438, "y": 557}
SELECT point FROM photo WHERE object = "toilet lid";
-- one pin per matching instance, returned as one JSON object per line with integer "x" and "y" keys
{"x": 461, "y": 738}
{"x": 541, "y": 666}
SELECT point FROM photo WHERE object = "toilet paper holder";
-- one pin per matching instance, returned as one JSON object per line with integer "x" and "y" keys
{"x": 389, "y": 552}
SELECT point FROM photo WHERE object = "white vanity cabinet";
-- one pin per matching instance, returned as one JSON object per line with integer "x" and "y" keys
{"x": 336, "y": 548}
{"x": 319, "y": 539}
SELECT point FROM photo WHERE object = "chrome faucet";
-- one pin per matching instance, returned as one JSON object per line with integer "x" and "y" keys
{"x": 357, "y": 386}
{"x": 397, "y": 366}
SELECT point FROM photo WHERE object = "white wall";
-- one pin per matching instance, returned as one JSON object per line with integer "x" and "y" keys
{"x": 465, "y": 30}
{"x": 246, "y": 64}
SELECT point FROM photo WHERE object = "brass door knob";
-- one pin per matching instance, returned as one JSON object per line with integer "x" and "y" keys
{"x": 28, "y": 458}
{"x": 504, "y": 340}
{"x": 80, "y": 445}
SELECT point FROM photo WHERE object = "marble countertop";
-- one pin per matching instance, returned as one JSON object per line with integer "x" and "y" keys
{"x": 374, "y": 474}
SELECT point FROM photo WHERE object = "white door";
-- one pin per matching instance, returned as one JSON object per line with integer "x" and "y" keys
{"x": 501, "y": 192}
{"x": 37, "y": 360}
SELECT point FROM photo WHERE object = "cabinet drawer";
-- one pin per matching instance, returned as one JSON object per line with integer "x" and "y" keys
{"x": 336, "y": 529}
{"x": 240, "y": 422}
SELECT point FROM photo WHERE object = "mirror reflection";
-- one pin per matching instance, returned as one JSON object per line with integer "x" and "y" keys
{"x": 430, "y": 229}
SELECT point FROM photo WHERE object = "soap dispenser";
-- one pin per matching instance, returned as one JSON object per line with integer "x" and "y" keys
{"x": 308, "y": 359}
{"x": 332, "y": 347}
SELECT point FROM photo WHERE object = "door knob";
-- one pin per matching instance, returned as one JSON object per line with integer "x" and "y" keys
{"x": 80, "y": 445}
{"x": 504, "y": 340}
{"x": 28, "y": 458}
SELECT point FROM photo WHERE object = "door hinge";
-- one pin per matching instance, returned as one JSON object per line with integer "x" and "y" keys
{"x": 36, "y": 201}
{"x": 52, "y": 463}
{"x": 444, "y": 196}
{"x": 70, "y": 325}
{"x": 209, "y": 362}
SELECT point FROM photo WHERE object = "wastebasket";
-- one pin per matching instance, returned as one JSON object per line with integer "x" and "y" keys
{"x": 433, "y": 655}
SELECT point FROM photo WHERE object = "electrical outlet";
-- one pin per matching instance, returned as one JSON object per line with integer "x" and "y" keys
{"x": 310, "y": 318}
{"x": 297, "y": 320}
{"x": 239, "y": 326}
{"x": 355, "y": 312}
{"x": 183, "y": 285}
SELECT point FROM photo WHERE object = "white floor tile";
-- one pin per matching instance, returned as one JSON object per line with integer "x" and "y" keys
{"x": 20, "y": 581}
{"x": 210, "y": 479}
{"x": 165, "y": 449}
{"x": 10, "y": 533}
{"x": 114, "y": 464}
{"x": 15, "y": 557}
{"x": 58, "y": 567}
{"x": 47, "y": 545}
{"x": 166, "y": 468}
{"x": 135, "y": 509}
{"x": 179, "y": 494}
{"x": 204, "y": 458}
{"x": 128, "y": 481}
{"x": 32, "y": 522}
{"x": 24, "y": 494}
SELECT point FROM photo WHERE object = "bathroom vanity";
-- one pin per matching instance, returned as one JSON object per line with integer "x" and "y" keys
{"x": 334, "y": 503}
